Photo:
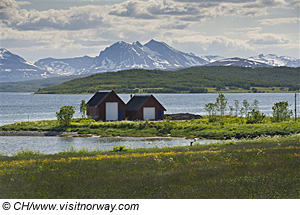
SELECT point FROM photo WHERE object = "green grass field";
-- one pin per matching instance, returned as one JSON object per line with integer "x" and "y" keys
{"x": 223, "y": 128}
{"x": 261, "y": 168}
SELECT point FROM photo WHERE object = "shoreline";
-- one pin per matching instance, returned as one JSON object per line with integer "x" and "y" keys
{"x": 71, "y": 134}
{"x": 37, "y": 133}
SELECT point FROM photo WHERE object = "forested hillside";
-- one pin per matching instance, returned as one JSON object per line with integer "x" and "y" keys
{"x": 191, "y": 80}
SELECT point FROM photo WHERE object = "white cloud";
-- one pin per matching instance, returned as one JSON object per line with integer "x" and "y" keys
{"x": 75, "y": 18}
{"x": 279, "y": 21}
{"x": 211, "y": 45}
{"x": 268, "y": 39}
{"x": 184, "y": 24}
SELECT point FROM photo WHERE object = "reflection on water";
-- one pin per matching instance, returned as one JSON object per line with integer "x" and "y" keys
{"x": 50, "y": 145}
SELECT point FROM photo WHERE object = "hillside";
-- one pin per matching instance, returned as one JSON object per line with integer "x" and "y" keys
{"x": 190, "y": 80}
{"x": 33, "y": 85}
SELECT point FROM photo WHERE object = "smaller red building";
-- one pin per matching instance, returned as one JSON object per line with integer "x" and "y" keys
{"x": 144, "y": 107}
{"x": 106, "y": 106}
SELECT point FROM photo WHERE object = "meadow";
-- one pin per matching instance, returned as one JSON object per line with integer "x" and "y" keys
{"x": 265, "y": 167}
{"x": 226, "y": 127}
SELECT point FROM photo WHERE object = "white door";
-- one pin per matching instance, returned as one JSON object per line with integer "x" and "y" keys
{"x": 111, "y": 110}
{"x": 149, "y": 112}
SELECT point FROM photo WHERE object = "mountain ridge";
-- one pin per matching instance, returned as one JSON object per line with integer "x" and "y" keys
{"x": 123, "y": 56}
{"x": 16, "y": 68}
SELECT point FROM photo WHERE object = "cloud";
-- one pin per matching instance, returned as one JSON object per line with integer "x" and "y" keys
{"x": 279, "y": 21}
{"x": 152, "y": 9}
{"x": 268, "y": 39}
{"x": 192, "y": 10}
{"x": 188, "y": 25}
{"x": 210, "y": 45}
{"x": 218, "y": 1}
{"x": 174, "y": 25}
{"x": 101, "y": 16}
{"x": 75, "y": 18}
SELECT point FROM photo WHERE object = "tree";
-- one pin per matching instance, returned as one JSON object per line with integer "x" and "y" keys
{"x": 231, "y": 109}
{"x": 83, "y": 108}
{"x": 281, "y": 111}
{"x": 255, "y": 116}
{"x": 245, "y": 107}
{"x": 221, "y": 103}
{"x": 65, "y": 115}
{"x": 254, "y": 90}
{"x": 236, "y": 106}
{"x": 255, "y": 105}
{"x": 210, "y": 108}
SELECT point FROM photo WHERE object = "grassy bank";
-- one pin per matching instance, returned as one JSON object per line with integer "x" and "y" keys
{"x": 223, "y": 128}
{"x": 261, "y": 168}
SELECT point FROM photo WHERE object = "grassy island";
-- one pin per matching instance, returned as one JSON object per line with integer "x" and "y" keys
{"x": 226, "y": 127}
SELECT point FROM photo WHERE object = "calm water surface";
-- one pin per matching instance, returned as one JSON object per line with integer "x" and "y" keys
{"x": 51, "y": 145}
{"x": 15, "y": 107}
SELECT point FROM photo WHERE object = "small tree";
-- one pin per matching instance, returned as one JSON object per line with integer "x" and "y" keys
{"x": 255, "y": 116}
{"x": 245, "y": 107}
{"x": 236, "y": 106}
{"x": 65, "y": 115}
{"x": 231, "y": 109}
{"x": 221, "y": 103}
{"x": 210, "y": 108}
{"x": 255, "y": 105}
{"x": 83, "y": 108}
{"x": 281, "y": 111}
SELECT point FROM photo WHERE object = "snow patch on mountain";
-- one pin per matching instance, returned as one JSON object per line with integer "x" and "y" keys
{"x": 68, "y": 66}
{"x": 15, "y": 68}
{"x": 238, "y": 62}
{"x": 274, "y": 60}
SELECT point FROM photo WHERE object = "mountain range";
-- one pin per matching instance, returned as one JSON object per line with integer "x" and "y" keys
{"x": 124, "y": 56}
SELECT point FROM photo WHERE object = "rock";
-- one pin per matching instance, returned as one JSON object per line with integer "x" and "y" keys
{"x": 183, "y": 116}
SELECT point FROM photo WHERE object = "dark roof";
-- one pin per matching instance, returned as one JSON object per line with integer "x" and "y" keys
{"x": 136, "y": 102}
{"x": 97, "y": 98}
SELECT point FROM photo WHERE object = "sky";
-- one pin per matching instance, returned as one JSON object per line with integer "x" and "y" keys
{"x": 71, "y": 28}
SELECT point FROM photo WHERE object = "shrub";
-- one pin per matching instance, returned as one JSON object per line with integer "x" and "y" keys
{"x": 119, "y": 149}
{"x": 255, "y": 116}
{"x": 281, "y": 111}
{"x": 65, "y": 115}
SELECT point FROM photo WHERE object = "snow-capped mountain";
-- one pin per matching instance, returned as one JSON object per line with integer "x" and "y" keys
{"x": 15, "y": 68}
{"x": 152, "y": 55}
{"x": 238, "y": 62}
{"x": 68, "y": 66}
{"x": 212, "y": 58}
{"x": 274, "y": 60}
{"x": 123, "y": 56}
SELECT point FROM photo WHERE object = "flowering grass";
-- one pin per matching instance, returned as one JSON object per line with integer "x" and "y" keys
{"x": 262, "y": 168}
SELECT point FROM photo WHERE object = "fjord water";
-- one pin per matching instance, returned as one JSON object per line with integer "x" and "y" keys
{"x": 51, "y": 145}
{"x": 16, "y": 107}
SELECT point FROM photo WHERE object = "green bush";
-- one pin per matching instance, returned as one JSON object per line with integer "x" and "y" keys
{"x": 119, "y": 149}
{"x": 65, "y": 115}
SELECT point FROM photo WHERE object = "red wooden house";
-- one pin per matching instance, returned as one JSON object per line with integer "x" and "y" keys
{"x": 106, "y": 106}
{"x": 144, "y": 107}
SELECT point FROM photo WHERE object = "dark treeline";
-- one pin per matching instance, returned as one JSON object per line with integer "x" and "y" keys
{"x": 190, "y": 80}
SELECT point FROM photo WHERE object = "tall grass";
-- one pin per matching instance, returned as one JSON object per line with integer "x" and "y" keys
{"x": 263, "y": 168}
